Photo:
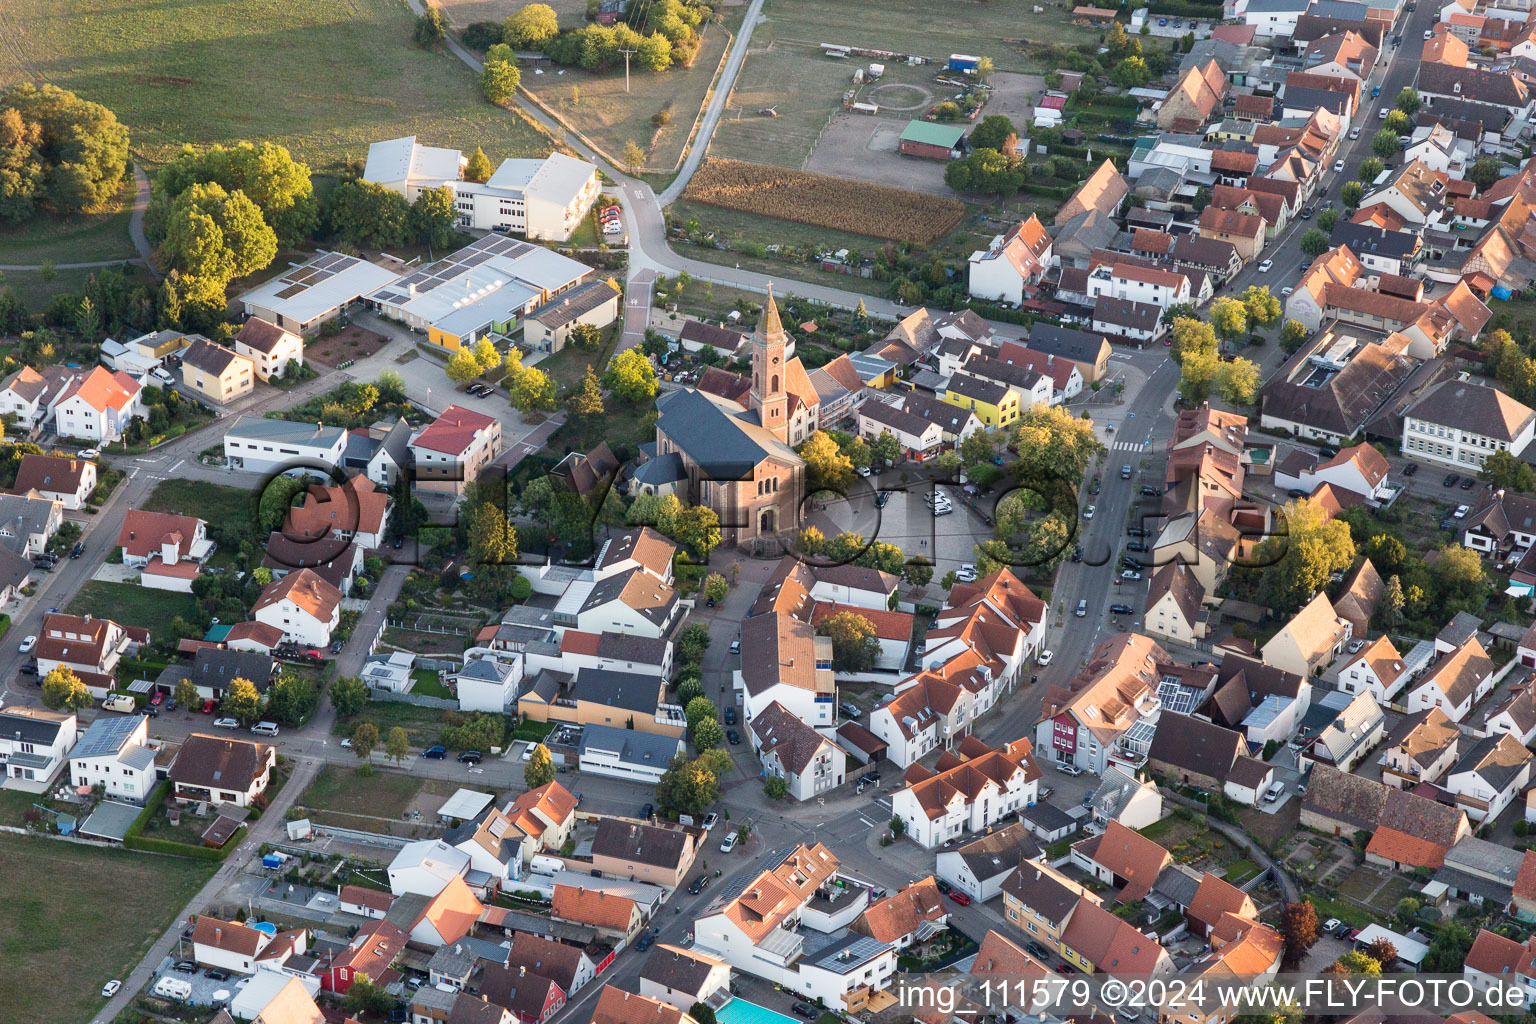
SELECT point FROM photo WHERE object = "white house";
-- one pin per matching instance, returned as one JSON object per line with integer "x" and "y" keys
{"x": 364, "y": 902}
{"x": 1454, "y": 682}
{"x": 67, "y": 481}
{"x": 167, "y": 548}
{"x": 28, "y": 394}
{"x": 784, "y": 662}
{"x": 1489, "y": 775}
{"x": 1378, "y": 669}
{"x": 808, "y": 762}
{"x": 980, "y": 867}
{"x": 115, "y": 754}
{"x": 35, "y": 746}
{"x": 260, "y": 445}
{"x": 97, "y": 405}
{"x": 425, "y": 867}
{"x": 302, "y": 605}
{"x": 489, "y": 682}
{"x": 1013, "y": 262}
{"x": 222, "y": 769}
{"x": 627, "y": 753}
{"x": 1516, "y": 716}
{"x": 1246, "y": 782}
{"x": 1134, "y": 803}
{"x": 541, "y": 198}
{"x": 682, "y": 977}
{"x": 1361, "y": 470}
{"x": 452, "y": 450}
{"x": 919, "y": 437}
{"x": 973, "y": 791}
{"x": 1458, "y": 424}
{"x": 1150, "y": 285}
{"x": 228, "y": 945}
{"x": 269, "y": 347}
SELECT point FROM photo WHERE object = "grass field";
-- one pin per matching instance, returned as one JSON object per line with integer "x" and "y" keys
{"x": 133, "y": 605}
{"x": 381, "y": 795}
{"x": 35, "y": 292}
{"x": 323, "y": 78}
{"x": 59, "y": 936}
{"x": 83, "y": 239}
{"x": 424, "y": 725}
{"x": 611, "y": 117}
{"x": 217, "y": 503}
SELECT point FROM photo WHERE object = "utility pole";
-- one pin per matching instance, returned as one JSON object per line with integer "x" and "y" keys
{"x": 626, "y": 54}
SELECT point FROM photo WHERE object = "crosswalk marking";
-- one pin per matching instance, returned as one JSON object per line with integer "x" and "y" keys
{"x": 1129, "y": 446}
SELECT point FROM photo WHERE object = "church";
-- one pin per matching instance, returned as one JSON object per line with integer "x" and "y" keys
{"x": 733, "y": 452}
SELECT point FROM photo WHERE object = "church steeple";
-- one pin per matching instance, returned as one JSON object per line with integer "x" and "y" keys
{"x": 768, "y": 396}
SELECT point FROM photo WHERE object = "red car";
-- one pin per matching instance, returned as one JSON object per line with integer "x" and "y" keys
{"x": 210, "y": 706}
{"x": 1065, "y": 968}
{"x": 156, "y": 699}
{"x": 959, "y": 897}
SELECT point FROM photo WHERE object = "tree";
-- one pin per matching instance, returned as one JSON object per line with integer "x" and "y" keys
{"x": 349, "y": 695}
{"x": 266, "y": 173}
{"x": 530, "y": 390}
{"x": 291, "y": 699}
{"x": 1370, "y": 169}
{"x": 1384, "y": 143}
{"x": 918, "y": 571}
{"x": 492, "y": 537}
{"x": 1238, "y": 381}
{"x": 397, "y": 744}
{"x": 1299, "y": 559}
{"x": 1408, "y": 101}
{"x": 1299, "y": 928}
{"x": 708, "y": 734}
{"x": 216, "y": 235}
{"x": 702, "y": 1013}
{"x": 1351, "y": 194}
{"x": 434, "y": 221}
{"x": 1293, "y": 334}
{"x": 540, "y": 769}
{"x": 688, "y": 787}
{"x": 885, "y": 449}
{"x": 1197, "y": 374}
{"x": 993, "y": 132}
{"x": 716, "y": 588}
{"x": 854, "y": 644}
{"x": 364, "y": 998}
{"x": 1382, "y": 951}
{"x": 1505, "y": 472}
{"x": 487, "y": 356}
{"x": 697, "y": 528}
{"x": 364, "y": 738}
{"x": 57, "y": 152}
{"x": 87, "y": 320}
{"x": 1327, "y": 219}
{"x": 499, "y": 77}
{"x": 585, "y": 336}
{"x": 1395, "y": 122}
{"x": 277, "y": 498}
{"x": 63, "y": 689}
{"x": 654, "y": 52}
{"x": 1458, "y": 572}
{"x": 186, "y": 694}
{"x": 1191, "y": 335}
{"x": 479, "y": 167}
{"x": 826, "y": 467}
{"x": 812, "y": 541}
{"x": 1131, "y": 73}
{"x": 1314, "y": 243}
{"x": 692, "y": 642}
{"x": 368, "y": 215}
{"x": 241, "y": 700}
{"x": 988, "y": 171}
{"x": 633, "y": 156}
{"x": 631, "y": 377}
{"x": 262, "y": 575}
{"x": 984, "y": 68}
{"x": 1448, "y": 952}
{"x": 1485, "y": 172}
{"x": 1054, "y": 449}
{"x": 431, "y": 28}
{"x": 1390, "y": 607}
{"x": 1229, "y": 319}
{"x": 1263, "y": 308}
{"x": 531, "y": 27}
{"x": 586, "y": 400}
{"x": 1356, "y": 962}
{"x": 898, "y": 826}
{"x": 462, "y": 367}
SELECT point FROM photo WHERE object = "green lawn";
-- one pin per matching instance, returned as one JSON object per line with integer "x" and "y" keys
{"x": 62, "y": 937}
{"x": 87, "y": 238}
{"x": 427, "y": 684}
{"x": 133, "y": 605}
{"x": 424, "y": 725}
{"x": 217, "y": 503}
{"x": 382, "y": 795}
{"x": 324, "y": 78}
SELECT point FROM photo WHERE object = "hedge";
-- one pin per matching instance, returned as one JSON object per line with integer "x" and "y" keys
{"x": 1050, "y": 191}
{"x": 134, "y": 840}
{"x": 5, "y": 624}
{"x": 1183, "y": 9}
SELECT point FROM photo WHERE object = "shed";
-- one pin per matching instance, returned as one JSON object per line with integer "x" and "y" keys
{"x": 1409, "y": 951}
{"x": 464, "y": 805}
{"x": 930, "y": 140}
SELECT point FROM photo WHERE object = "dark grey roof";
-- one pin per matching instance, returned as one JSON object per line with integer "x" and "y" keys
{"x": 1195, "y": 745}
{"x": 661, "y": 470}
{"x": 613, "y": 589}
{"x": 1497, "y": 771}
{"x": 676, "y": 970}
{"x": 656, "y": 845}
{"x": 977, "y": 389}
{"x": 646, "y": 749}
{"x": 216, "y": 668}
{"x": 13, "y": 568}
{"x": 1194, "y": 250}
{"x": 1048, "y": 817}
{"x": 1312, "y": 26}
{"x": 1469, "y": 884}
{"x": 722, "y": 445}
{"x": 1039, "y": 890}
{"x": 1078, "y": 346}
{"x": 1474, "y": 409}
{"x": 951, "y": 418}
{"x": 627, "y": 690}
{"x": 454, "y": 961}
{"x": 626, "y": 647}
{"x": 888, "y": 415}
{"x": 204, "y": 355}
{"x": 28, "y": 729}
{"x": 22, "y": 517}
{"x": 579, "y": 301}
{"x": 1460, "y": 629}
{"x": 999, "y": 852}
{"x": 1473, "y": 84}
{"x": 1178, "y": 883}
{"x": 1366, "y": 240}
{"x": 1297, "y": 96}
{"x": 258, "y": 428}
{"x": 1126, "y": 313}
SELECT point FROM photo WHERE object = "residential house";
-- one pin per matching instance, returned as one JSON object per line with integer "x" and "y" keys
{"x": 1040, "y": 900}
{"x": 1121, "y": 796}
{"x": 520, "y": 995}
{"x": 1194, "y": 99}
{"x": 1104, "y": 190}
{"x": 89, "y": 647}
{"x": 919, "y": 438}
{"x": 1095, "y": 940}
{"x": 1245, "y": 232}
{"x": 169, "y": 549}
{"x": 260, "y": 445}
{"x": 1334, "y": 385}
{"x": 1357, "y": 601}
{"x": 1122, "y": 858}
{"x": 656, "y": 853}
{"x": 566, "y": 965}
{"x": 1516, "y": 715}
{"x": 29, "y": 395}
{"x": 1089, "y": 351}
{"x": 222, "y": 769}
{"x": 1094, "y": 716}
{"x": 1216, "y": 898}
{"x": 216, "y": 373}
{"x": 682, "y": 977}
{"x": 1489, "y": 775}
{"x": 269, "y": 348}
{"x": 65, "y": 480}
{"x": 355, "y": 511}
{"x": 979, "y": 867}
{"x": 1378, "y": 670}
{"x": 370, "y": 952}
{"x": 1310, "y": 641}
{"x": 302, "y": 605}
{"x": 1358, "y": 725}
{"x": 362, "y": 901}
{"x": 1193, "y": 751}
{"x": 424, "y": 867}
{"x": 616, "y": 1006}
{"x": 114, "y": 753}
{"x": 97, "y": 405}
{"x": 1415, "y": 832}
{"x": 1174, "y": 598}
{"x": 1066, "y": 378}
{"x": 1248, "y": 780}
{"x": 971, "y": 789}
{"x": 627, "y": 753}
{"x": 1458, "y": 425}
{"x": 35, "y": 746}
{"x": 447, "y": 916}
{"x": 1455, "y": 682}
{"x": 238, "y": 948}
{"x": 612, "y": 915}
{"x": 911, "y": 916}
{"x": 808, "y": 762}
{"x": 453, "y": 449}
{"x": 1011, "y": 266}
{"x": 213, "y": 669}
{"x": 594, "y": 304}
{"x": 996, "y": 405}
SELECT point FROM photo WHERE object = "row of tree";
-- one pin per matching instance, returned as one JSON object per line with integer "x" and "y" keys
{"x": 58, "y": 153}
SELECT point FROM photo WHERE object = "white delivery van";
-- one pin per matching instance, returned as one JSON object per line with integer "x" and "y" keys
{"x": 1274, "y": 792}
{"x": 119, "y": 702}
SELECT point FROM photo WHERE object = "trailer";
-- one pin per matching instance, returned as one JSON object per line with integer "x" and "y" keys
{"x": 963, "y": 62}
{"x": 875, "y": 71}
{"x": 833, "y": 50}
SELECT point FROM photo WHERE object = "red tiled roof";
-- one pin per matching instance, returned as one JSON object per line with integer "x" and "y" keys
{"x": 453, "y": 432}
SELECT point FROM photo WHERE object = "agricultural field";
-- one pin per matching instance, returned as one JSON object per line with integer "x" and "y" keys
{"x": 603, "y": 112}
{"x": 787, "y": 73}
{"x": 66, "y": 940}
{"x": 324, "y": 78}
{"x": 837, "y": 203}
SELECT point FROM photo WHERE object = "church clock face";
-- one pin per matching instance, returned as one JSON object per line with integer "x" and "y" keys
{"x": 775, "y": 360}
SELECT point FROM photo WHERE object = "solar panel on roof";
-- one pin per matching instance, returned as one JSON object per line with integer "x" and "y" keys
{"x": 290, "y": 291}
{"x": 1176, "y": 697}
{"x": 474, "y": 259}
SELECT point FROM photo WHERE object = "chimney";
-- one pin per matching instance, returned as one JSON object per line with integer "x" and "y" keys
{"x": 218, "y": 936}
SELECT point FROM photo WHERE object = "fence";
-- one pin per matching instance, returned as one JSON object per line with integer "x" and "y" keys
{"x": 352, "y": 835}
{"x": 426, "y": 627}
{"x": 420, "y": 700}
{"x": 437, "y": 664}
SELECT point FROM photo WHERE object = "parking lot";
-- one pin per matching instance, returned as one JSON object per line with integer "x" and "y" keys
{"x": 906, "y": 519}
{"x": 206, "y": 991}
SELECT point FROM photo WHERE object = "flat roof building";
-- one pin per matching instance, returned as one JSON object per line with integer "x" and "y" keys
{"x": 303, "y": 297}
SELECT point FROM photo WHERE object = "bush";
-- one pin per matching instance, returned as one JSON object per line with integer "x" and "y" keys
{"x": 481, "y": 35}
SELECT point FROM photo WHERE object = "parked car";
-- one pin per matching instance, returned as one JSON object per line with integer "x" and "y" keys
{"x": 944, "y": 887}
{"x": 470, "y": 757}
{"x": 1410, "y": 469}
{"x": 846, "y": 707}
{"x": 1461, "y": 511}
{"x": 1045, "y": 657}
{"x": 226, "y": 723}
{"x": 869, "y": 778}
{"x": 435, "y": 753}
{"x": 185, "y": 967}
{"x": 1148, "y": 491}
{"x": 1356, "y": 646}
{"x": 110, "y": 988}
{"x": 1121, "y": 609}
{"x": 961, "y": 898}
{"x": 1136, "y": 545}
{"x": 967, "y": 572}
{"x": 214, "y": 974}
{"x": 1089, "y": 511}
{"x": 730, "y": 714}
{"x": 1450, "y": 480}
{"x": 1130, "y": 574}
{"x": 1469, "y": 483}
{"x": 1038, "y": 951}
{"x": 1125, "y": 471}
{"x": 1065, "y": 968}
{"x": 646, "y": 810}
{"x": 209, "y": 707}
{"x": 735, "y": 646}
{"x": 710, "y": 821}
{"x": 151, "y": 711}
{"x": 1338, "y": 167}
{"x": 90, "y": 453}
{"x": 733, "y": 737}
{"x": 806, "y": 1010}
{"x": 1266, "y": 266}
{"x": 337, "y": 646}
{"x": 729, "y": 843}
{"x": 1069, "y": 769}
{"x": 77, "y": 550}
{"x": 28, "y": 643}
{"x": 647, "y": 939}
{"x": 698, "y": 885}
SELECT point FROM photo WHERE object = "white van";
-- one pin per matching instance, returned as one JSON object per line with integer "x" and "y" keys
{"x": 119, "y": 702}
{"x": 265, "y": 728}
{"x": 1274, "y": 791}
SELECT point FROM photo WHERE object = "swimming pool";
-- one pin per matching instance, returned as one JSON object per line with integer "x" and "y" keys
{"x": 265, "y": 926}
{"x": 739, "y": 1011}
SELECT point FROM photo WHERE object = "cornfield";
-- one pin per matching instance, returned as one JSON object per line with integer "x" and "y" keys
{"x": 820, "y": 200}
